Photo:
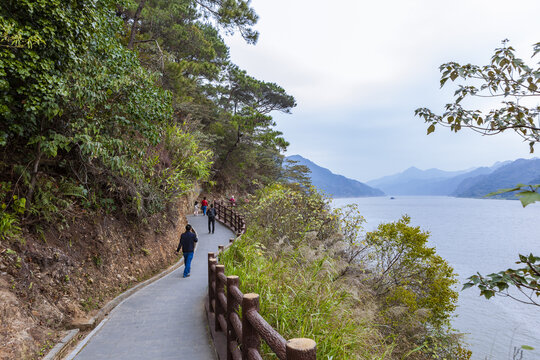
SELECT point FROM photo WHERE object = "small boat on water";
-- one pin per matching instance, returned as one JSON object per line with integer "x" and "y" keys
{"x": 392, "y": 198}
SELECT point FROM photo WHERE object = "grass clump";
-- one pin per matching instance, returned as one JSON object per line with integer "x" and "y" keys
{"x": 299, "y": 298}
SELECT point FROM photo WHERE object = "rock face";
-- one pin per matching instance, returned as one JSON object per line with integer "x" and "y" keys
{"x": 333, "y": 184}
{"x": 59, "y": 280}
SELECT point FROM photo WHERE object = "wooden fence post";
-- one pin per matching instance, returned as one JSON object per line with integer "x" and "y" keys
{"x": 301, "y": 349}
{"x": 211, "y": 295}
{"x": 223, "y": 214}
{"x": 232, "y": 306}
{"x": 220, "y": 289}
{"x": 250, "y": 337}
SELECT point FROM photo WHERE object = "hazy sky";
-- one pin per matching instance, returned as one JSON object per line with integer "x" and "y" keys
{"x": 359, "y": 69}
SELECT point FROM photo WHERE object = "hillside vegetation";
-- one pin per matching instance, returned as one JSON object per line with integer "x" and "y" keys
{"x": 378, "y": 295}
{"x": 112, "y": 113}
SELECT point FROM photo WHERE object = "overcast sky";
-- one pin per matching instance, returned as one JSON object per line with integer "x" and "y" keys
{"x": 359, "y": 69}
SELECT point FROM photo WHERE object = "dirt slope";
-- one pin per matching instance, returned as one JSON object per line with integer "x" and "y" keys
{"x": 58, "y": 279}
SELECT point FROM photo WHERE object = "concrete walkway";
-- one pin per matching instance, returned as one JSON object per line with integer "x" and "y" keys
{"x": 165, "y": 320}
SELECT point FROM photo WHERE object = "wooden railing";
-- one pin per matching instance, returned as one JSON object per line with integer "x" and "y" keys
{"x": 229, "y": 217}
{"x": 244, "y": 333}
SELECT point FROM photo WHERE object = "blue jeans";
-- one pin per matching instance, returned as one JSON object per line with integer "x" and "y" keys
{"x": 187, "y": 263}
{"x": 204, "y": 209}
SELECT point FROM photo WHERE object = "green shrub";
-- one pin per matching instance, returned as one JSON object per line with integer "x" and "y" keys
{"x": 11, "y": 208}
{"x": 384, "y": 294}
{"x": 299, "y": 299}
{"x": 288, "y": 214}
{"x": 407, "y": 272}
{"x": 9, "y": 225}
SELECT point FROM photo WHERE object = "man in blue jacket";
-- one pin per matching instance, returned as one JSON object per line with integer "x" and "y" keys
{"x": 211, "y": 213}
{"x": 187, "y": 244}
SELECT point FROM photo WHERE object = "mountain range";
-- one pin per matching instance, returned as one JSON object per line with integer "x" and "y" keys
{"x": 333, "y": 184}
{"x": 476, "y": 182}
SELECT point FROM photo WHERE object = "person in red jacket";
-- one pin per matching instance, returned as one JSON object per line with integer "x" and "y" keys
{"x": 204, "y": 206}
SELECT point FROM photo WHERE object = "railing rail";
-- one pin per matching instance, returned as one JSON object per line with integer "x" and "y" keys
{"x": 225, "y": 299}
{"x": 244, "y": 333}
{"x": 229, "y": 217}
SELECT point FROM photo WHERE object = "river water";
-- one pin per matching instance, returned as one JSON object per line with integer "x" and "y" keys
{"x": 474, "y": 235}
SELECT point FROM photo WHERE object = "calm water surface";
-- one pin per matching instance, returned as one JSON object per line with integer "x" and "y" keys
{"x": 474, "y": 235}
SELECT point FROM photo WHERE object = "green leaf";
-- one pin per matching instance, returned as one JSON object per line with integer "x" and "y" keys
{"x": 467, "y": 285}
{"x": 443, "y": 81}
{"x": 431, "y": 129}
{"x": 527, "y": 347}
{"x": 528, "y": 197}
{"x": 487, "y": 293}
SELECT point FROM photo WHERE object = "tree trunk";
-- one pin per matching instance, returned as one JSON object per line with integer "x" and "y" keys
{"x": 33, "y": 177}
{"x": 134, "y": 25}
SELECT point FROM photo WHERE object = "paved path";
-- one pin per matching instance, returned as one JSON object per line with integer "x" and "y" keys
{"x": 165, "y": 320}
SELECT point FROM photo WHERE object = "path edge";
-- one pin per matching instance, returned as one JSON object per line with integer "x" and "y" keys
{"x": 57, "y": 352}
{"x": 59, "y": 349}
{"x": 218, "y": 337}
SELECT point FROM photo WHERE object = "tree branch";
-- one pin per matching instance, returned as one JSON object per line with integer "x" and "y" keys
{"x": 134, "y": 25}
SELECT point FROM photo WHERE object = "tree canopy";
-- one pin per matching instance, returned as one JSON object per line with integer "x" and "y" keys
{"x": 122, "y": 106}
{"x": 231, "y": 108}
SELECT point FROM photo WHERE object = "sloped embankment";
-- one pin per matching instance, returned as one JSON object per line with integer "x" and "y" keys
{"x": 59, "y": 279}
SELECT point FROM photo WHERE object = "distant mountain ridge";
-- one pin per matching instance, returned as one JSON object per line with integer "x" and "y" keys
{"x": 334, "y": 184}
{"x": 476, "y": 182}
{"x": 414, "y": 181}
{"x": 521, "y": 171}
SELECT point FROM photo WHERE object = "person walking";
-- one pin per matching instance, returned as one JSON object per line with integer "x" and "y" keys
{"x": 211, "y": 218}
{"x": 196, "y": 208}
{"x": 187, "y": 244}
{"x": 204, "y": 206}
